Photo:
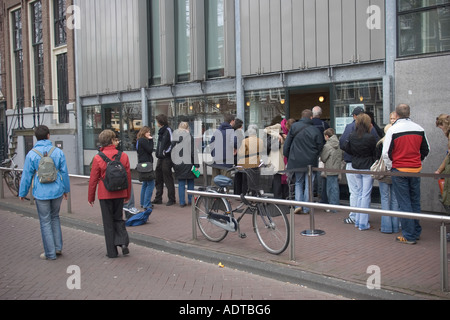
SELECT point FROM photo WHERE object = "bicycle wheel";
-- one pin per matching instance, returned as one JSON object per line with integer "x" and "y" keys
{"x": 11, "y": 182}
{"x": 272, "y": 228}
{"x": 204, "y": 207}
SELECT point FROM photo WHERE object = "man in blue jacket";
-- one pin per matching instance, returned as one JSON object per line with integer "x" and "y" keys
{"x": 48, "y": 196}
{"x": 303, "y": 147}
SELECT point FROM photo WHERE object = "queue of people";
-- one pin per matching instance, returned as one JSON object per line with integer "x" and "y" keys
{"x": 289, "y": 146}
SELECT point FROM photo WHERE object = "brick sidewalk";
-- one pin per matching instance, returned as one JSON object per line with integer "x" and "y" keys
{"x": 344, "y": 253}
{"x": 145, "y": 274}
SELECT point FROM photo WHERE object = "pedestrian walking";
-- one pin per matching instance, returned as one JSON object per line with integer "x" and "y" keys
{"x": 164, "y": 164}
{"x": 332, "y": 158}
{"x": 144, "y": 147}
{"x": 404, "y": 149}
{"x": 351, "y": 178}
{"x": 361, "y": 145}
{"x": 303, "y": 146}
{"x": 111, "y": 202}
{"x": 48, "y": 195}
{"x": 183, "y": 158}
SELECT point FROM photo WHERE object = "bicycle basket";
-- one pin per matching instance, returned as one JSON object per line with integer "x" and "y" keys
{"x": 253, "y": 179}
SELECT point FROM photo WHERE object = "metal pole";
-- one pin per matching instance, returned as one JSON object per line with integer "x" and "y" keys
{"x": 312, "y": 232}
{"x": 69, "y": 203}
{"x": 2, "y": 192}
{"x": 444, "y": 259}
{"x": 194, "y": 220}
{"x": 292, "y": 232}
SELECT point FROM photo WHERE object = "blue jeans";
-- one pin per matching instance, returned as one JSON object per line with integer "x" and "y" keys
{"x": 302, "y": 188}
{"x": 48, "y": 211}
{"x": 363, "y": 188}
{"x": 333, "y": 193}
{"x": 352, "y": 189}
{"x": 407, "y": 191}
{"x": 388, "y": 202}
{"x": 146, "y": 193}
{"x": 182, "y": 190}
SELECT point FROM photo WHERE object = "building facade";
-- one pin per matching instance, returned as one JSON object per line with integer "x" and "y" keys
{"x": 196, "y": 60}
{"x": 37, "y": 75}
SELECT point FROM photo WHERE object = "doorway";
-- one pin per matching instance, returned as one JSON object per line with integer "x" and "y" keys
{"x": 307, "y": 98}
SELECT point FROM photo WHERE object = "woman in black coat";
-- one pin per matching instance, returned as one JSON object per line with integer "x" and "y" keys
{"x": 183, "y": 160}
{"x": 144, "y": 147}
{"x": 362, "y": 146}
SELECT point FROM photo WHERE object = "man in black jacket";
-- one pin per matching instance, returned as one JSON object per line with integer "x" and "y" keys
{"x": 163, "y": 172}
{"x": 303, "y": 147}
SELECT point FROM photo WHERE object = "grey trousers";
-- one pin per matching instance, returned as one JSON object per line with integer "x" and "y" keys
{"x": 113, "y": 225}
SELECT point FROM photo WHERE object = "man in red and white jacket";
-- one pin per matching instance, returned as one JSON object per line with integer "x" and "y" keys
{"x": 404, "y": 149}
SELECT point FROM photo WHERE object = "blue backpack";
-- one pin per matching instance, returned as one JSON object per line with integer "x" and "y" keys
{"x": 139, "y": 218}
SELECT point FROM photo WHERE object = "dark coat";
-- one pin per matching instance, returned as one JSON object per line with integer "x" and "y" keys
{"x": 223, "y": 144}
{"x": 145, "y": 150}
{"x": 303, "y": 145}
{"x": 362, "y": 149}
{"x": 164, "y": 146}
{"x": 183, "y": 169}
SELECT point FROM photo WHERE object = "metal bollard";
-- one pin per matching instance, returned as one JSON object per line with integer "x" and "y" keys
{"x": 312, "y": 232}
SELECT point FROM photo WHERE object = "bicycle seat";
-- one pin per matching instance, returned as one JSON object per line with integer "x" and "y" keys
{"x": 223, "y": 181}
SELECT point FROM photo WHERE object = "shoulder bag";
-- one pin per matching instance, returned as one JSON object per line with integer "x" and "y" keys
{"x": 379, "y": 167}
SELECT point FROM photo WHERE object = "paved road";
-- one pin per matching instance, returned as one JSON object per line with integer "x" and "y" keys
{"x": 145, "y": 274}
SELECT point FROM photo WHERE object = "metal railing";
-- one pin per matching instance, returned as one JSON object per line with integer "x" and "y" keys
{"x": 442, "y": 219}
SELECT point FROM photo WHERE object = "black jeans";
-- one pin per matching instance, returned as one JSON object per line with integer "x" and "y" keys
{"x": 164, "y": 176}
{"x": 113, "y": 225}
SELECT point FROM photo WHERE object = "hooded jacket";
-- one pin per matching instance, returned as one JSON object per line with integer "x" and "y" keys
{"x": 332, "y": 155}
{"x": 48, "y": 191}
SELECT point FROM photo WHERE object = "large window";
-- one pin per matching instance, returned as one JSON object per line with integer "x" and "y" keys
{"x": 423, "y": 26}
{"x": 263, "y": 106}
{"x": 350, "y": 95}
{"x": 215, "y": 38}
{"x": 18, "y": 57}
{"x": 38, "y": 52}
{"x": 59, "y": 7}
{"x": 124, "y": 119}
{"x": 183, "y": 39}
{"x": 155, "y": 42}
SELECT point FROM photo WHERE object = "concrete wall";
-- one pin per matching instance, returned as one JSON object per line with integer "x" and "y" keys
{"x": 424, "y": 84}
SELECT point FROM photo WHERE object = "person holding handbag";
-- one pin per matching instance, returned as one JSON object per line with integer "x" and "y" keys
{"x": 361, "y": 146}
{"x": 144, "y": 147}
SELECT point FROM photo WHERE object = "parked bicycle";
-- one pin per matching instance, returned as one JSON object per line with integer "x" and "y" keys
{"x": 12, "y": 177}
{"x": 216, "y": 217}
